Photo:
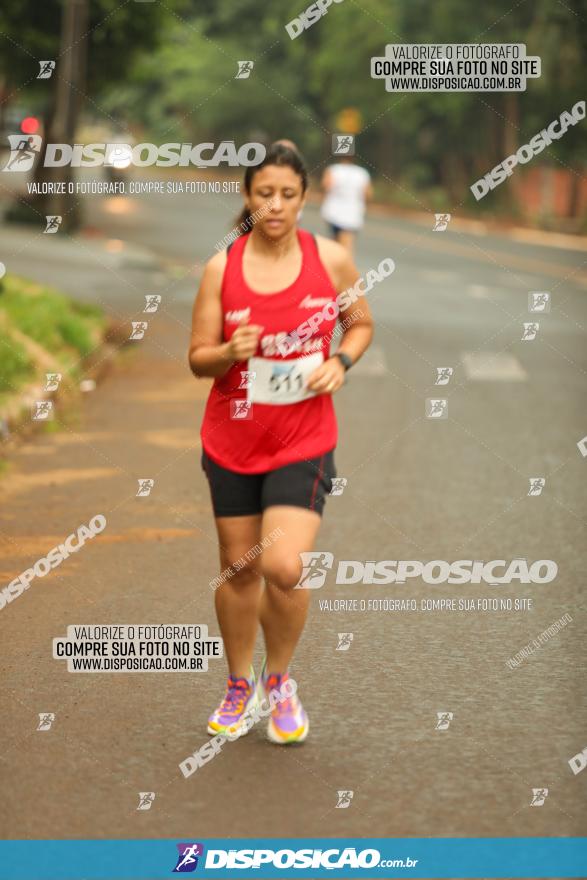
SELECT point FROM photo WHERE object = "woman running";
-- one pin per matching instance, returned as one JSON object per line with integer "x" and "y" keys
{"x": 269, "y": 428}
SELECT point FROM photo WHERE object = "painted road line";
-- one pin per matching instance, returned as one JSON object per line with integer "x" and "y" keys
{"x": 478, "y": 291}
{"x": 500, "y": 366}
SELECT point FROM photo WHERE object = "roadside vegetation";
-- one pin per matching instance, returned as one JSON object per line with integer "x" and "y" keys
{"x": 42, "y": 331}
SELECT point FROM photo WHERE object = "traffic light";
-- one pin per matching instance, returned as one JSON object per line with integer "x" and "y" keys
{"x": 29, "y": 125}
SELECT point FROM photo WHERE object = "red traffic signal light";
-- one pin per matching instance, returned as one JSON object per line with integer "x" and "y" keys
{"x": 29, "y": 125}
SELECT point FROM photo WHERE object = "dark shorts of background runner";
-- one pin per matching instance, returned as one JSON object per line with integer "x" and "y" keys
{"x": 302, "y": 484}
{"x": 336, "y": 229}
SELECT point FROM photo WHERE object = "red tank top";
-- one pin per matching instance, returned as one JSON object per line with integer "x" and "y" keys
{"x": 269, "y": 436}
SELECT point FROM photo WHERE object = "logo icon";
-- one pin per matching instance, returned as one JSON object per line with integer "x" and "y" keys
{"x": 441, "y": 222}
{"x": 241, "y": 409}
{"x": 582, "y": 446}
{"x": 152, "y": 302}
{"x": 315, "y": 565}
{"x": 247, "y": 378}
{"x": 344, "y": 799}
{"x": 46, "y": 69}
{"x": 539, "y": 795}
{"x": 344, "y": 641}
{"x": 23, "y": 152}
{"x": 578, "y": 762}
{"x": 436, "y": 408}
{"x": 146, "y": 799}
{"x": 443, "y": 720}
{"x": 46, "y": 719}
{"x": 443, "y": 375}
{"x": 338, "y": 485}
{"x": 53, "y": 222}
{"x": 537, "y": 484}
{"x": 187, "y": 860}
{"x": 539, "y": 301}
{"x": 343, "y": 144}
{"x": 53, "y": 380}
{"x": 42, "y": 410}
{"x": 244, "y": 69}
{"x": 138, "y": 329}
{"x": 145, "y": 487}
{"x": 530, "y": 330}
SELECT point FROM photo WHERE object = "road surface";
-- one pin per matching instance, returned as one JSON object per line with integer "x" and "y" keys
{"x": 417, "y": 489}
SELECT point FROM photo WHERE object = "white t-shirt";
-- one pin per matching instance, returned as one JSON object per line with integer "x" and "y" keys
{"x": 344, "y": 203}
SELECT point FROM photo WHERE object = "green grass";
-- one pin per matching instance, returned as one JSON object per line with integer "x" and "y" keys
{"x": 65, "y": 329}
{"x": 17, "y": 367}
{"x": 53, "y": 320}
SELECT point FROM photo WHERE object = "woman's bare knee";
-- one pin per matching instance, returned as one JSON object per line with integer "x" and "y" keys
{"x": 282, "y": 573}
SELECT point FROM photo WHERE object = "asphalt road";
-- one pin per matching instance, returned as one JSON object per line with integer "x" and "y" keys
{"x": 418, "y": 489}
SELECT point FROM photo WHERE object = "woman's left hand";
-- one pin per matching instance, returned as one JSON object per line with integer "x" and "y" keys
{"x": 328, "y": 378}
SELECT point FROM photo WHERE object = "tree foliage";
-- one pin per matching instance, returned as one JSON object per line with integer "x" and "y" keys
{"x": 183, "y": 83}
{"x": 30, "y": 31}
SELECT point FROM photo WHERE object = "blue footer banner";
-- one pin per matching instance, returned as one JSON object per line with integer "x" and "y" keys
{"x": 531, "y": 857}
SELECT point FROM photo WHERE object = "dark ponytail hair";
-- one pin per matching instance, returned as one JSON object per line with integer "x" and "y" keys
{"x": 281, "y": 154}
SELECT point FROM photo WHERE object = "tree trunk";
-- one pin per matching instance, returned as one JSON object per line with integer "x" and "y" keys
{"x": 59, "y": 123}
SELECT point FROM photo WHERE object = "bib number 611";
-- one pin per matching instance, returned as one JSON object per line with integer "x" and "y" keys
{"x": 286, "y": 380}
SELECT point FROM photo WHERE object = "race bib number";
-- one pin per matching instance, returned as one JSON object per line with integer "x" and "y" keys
{"x": 280, "y": 382}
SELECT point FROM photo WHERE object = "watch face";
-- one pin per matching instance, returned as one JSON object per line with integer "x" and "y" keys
{"x": 345, "y": 360}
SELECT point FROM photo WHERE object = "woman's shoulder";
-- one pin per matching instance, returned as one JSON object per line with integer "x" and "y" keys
{"x": 213, "y": 273}
{"x": 215, "y": 266}
{"x": 333, "y": 255}
{"x": 336, "y": 260}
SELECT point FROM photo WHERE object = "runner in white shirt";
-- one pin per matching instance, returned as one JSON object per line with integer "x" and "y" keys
{"x": 347, "y": 187}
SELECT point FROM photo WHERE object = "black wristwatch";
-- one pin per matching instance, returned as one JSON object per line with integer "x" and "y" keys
{"x": 345, "y": 359}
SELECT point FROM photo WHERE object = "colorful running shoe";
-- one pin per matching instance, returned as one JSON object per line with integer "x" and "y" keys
{"x": 239, "y": 701}
{"x": 288, "y": 722}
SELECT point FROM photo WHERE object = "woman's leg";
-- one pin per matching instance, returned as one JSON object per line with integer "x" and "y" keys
{"x": 237, "y": 599}
{"x": 346, "y": 239}
{"x": 283, "y": 610}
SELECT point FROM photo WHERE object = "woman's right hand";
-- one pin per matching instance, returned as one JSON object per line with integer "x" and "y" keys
{"x": 244, "y": 342}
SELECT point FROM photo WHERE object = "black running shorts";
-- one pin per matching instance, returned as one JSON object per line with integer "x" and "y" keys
{"x": 302, "y": 484}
